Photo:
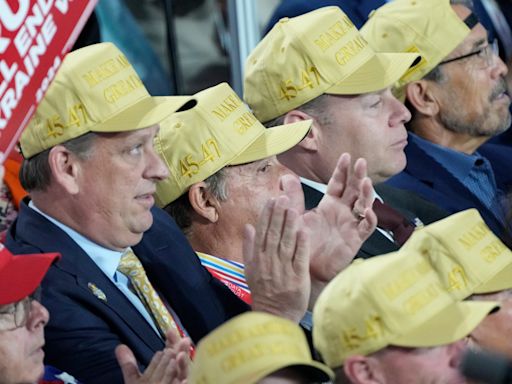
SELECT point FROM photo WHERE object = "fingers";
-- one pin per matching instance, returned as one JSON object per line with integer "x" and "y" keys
{"x": 182, "y": 366}
{"x": 275, "y": 227}
{"x": 171, "y": 338}
{"x": 302, "y": 254}
{"x": 365, "y": 202}
{"x": 364, "y": 199}
{"x": 360, "y": 168}
{"x": 288, "y": 239}
{"x": 291, "y": 187}
{"x": 158, "y": 365}
{"x": 338, "y": 181}
{"x": 128, "y": 364}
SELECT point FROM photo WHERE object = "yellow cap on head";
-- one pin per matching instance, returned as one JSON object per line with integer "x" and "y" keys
{"x": 394, "y": 299}
{"x": 467, "y": 255}
{"x": 319, "y": 52}
{"x": 214, "y": 128}
{"x": 250, "y": 347}
{"x": 95, "y": 90}
{"x": 430, "y": 28}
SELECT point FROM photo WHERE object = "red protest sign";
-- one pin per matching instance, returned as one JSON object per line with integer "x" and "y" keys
{"x": 34, "y": 37}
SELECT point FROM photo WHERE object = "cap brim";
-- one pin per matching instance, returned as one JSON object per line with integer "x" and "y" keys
{"x": 274, "y": 141}
{"x": 22, "y": 275}
{"x": 501, "y": 281}
{"x": 382, "y": 70}
{"x": 312, "y": 370}
{"x": 452, "y": 324}
{"x": 147, "y": 112}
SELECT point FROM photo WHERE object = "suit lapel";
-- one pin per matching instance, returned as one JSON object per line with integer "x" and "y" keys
{"x": 311, "y": 196}
{"x": 441, "y": 182}
{"x": 377, "y": 244}
{"x": 86, "y": 273}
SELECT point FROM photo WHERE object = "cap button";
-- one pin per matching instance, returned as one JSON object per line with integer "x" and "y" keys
{"x": 178, "y": 125}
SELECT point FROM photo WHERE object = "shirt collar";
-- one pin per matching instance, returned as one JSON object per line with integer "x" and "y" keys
{"x": 106, "y": 259}
{"x": 320, "y": 187}
{"x": 457, "y": 163}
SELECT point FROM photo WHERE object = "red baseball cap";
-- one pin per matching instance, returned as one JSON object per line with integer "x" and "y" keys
{"x": 21, "y": 275}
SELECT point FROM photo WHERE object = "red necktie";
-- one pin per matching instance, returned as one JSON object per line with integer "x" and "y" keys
{"x": 392, "y": 221}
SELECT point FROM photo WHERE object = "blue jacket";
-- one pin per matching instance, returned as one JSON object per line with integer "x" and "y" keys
{"x": 84, "y": 329}
{"x": 356, "y": 10}
{"x": 426, "y": 177}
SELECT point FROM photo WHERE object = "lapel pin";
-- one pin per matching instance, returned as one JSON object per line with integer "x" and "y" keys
{"x": 97, "y": 292}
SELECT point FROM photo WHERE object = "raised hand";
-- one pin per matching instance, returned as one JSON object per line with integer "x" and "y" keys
{"x": 169, "y": 366}
{"x": 341, "y": 222}
{"x": 276, "y": 257}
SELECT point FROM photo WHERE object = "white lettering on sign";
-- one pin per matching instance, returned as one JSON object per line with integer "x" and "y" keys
{"x": 34, "y": 29}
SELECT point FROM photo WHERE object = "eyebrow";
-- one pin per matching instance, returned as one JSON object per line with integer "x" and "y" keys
{"x": 479, "y": 43}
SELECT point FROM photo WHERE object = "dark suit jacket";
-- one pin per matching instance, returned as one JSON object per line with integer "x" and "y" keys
{"x": 84, "y": 330}
{"x": 408, "y": 204}
{"x": 426, "y": 177}
{"x": 357, "y": 11}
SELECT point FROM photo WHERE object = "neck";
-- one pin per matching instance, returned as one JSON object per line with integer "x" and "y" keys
{"x": 205, "y": 239}
{"x": 436, "y": 133}
{"x": 305, "y": 165}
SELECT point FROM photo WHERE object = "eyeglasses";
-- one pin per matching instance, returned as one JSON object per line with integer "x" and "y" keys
{"x": 486, "y": 55}
{"x": 15, "y": 315}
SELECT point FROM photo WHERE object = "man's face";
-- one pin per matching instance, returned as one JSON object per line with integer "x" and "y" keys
{"x": 370, "y": 126}
{"x": 116, "y": 186}
{"x": 21, "y": 353}
{"x": 249, "y": 187}
{"x": 437, "y": 365}
{"x": 472, "y": 95}
{"x": 495, "y": 331}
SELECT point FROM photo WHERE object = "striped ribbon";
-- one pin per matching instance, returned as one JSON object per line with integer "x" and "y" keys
{"x": 228, "y": 272}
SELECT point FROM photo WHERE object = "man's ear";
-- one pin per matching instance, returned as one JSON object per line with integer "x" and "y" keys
{"x": 310, "y": 142}
{"x": 65, "y": 168}
{"x": 422, "y": 96}
{"x": 203, "y": 202}
{"x": 362, "y": 370}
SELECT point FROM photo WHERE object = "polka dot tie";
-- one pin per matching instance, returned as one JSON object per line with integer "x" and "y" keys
{"x": 131, "y": 267}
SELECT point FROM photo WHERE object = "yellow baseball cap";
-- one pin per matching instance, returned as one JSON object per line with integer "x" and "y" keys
{"x": 430, "y": 28}
{"x": 250, "y": 347}
{"x": 214, "y": 129}
{"x": 467, "y": 255}
{"x": 319, "y": 52}
{"x": 394, "y": 299}
{"x": 95, "y": 90}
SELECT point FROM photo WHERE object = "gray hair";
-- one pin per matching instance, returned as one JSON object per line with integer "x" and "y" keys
{"x": 181, "y": 209}
{"x": 35, "y": 172}
{"x": 315, "y": 108}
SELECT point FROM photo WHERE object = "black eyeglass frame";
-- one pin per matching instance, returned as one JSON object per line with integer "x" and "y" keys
{"x": 492, "y": 45}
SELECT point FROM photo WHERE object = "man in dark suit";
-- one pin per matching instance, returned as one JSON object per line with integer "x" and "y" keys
{"x": 356, "y": 10}
{"x": 91, "y": 169}
{"x": 316, "y": 66}
{"x": 458, "y": 98}
{"x": 359, "y": 10}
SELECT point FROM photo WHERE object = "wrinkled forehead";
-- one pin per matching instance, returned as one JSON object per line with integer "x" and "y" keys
{"x": 476, "y": 38}
{"x": 249, "y": 167}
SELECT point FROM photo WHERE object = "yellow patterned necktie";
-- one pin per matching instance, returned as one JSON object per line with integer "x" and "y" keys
{"x": 131, "y": 267}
